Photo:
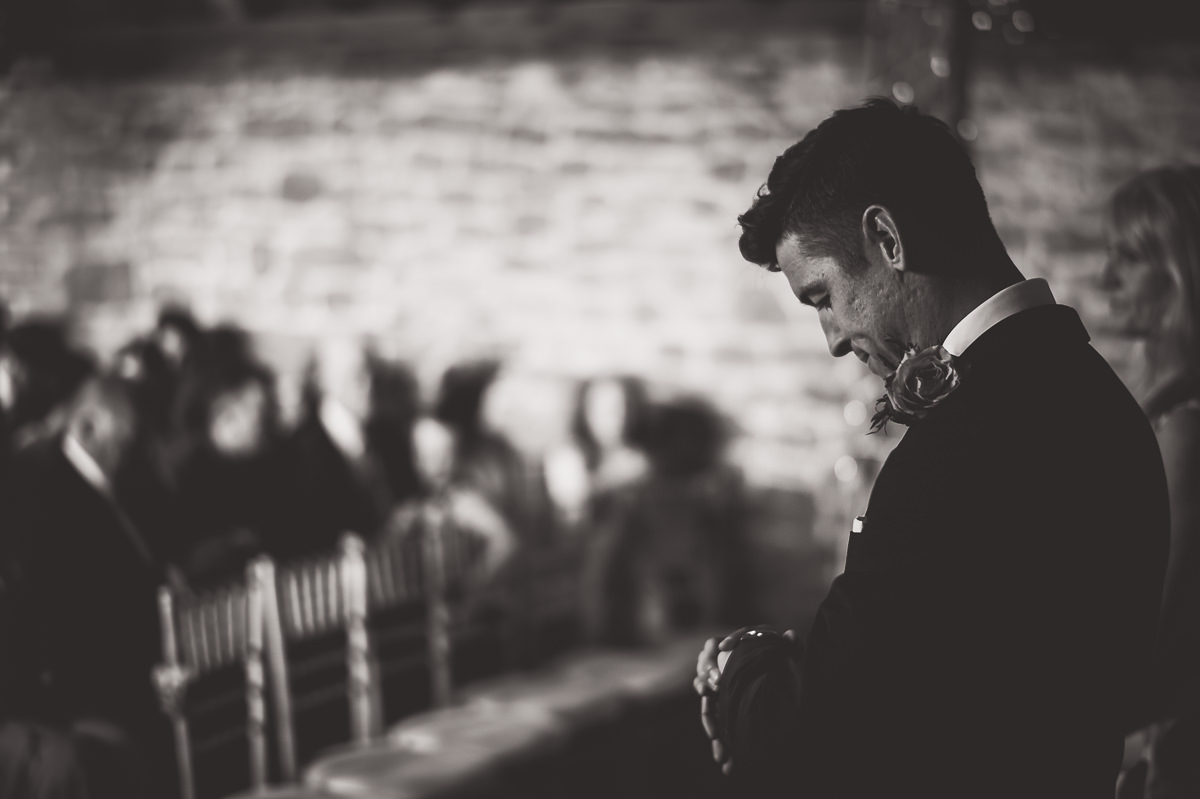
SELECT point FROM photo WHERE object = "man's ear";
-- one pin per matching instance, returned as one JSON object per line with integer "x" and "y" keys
{"x": 882, "y": 236}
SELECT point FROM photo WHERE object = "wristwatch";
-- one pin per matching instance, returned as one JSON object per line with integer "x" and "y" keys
{"x": 754, "y": 633}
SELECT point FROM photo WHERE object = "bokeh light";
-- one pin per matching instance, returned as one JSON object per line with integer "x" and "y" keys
{"x": 1012, "y": 35}
{"x": 855, "y": 413}
{"x": 845, "y": 469}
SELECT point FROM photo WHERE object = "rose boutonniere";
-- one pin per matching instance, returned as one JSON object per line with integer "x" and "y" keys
{"x": 922, "y": 380}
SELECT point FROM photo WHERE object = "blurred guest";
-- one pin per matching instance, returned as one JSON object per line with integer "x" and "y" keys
{"x": 342, "y": 485}
{"x": 593, "y": 481}
{"x": 475, "y": 546}
{"x": 39, "y": 371}
{"x": 484, "y": 460}
{"x": 9, "y": 383}
{"x": 501, "y": 494}
{"x": 178, "y": 335}
{"x": 148, "y": 487}
{"x": 7, "y": 564}
{"x": 145, "y": 365}
{"x": 233, "y": 479}
{"x": 461, "y": 507}
{"x": 5, "y": 322}
{"x": 87, "y": 630}
{"x": 394, "y": 405}
{"x": 1153, "y": 277}
{"x": 433, "y": 451}
{"x": 214, "y": 347}
{"x": 39, "y": 762}
{"x": 671, "y": 558}
{"x": 607, "y": 424}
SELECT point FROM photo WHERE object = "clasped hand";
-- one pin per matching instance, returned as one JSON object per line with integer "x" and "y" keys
{"x": 709, "y": 663}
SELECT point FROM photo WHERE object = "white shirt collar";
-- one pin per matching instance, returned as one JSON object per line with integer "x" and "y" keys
{"x": 86, "y": 465}
{"x": 93, "y": 475}
{"x": 1001, "y": 305}
{"x": 343, "y": 428}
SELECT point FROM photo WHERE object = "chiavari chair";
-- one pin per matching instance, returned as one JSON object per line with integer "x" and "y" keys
{"x": 471, "y": 624}
{"x": 211, "y": 682}
{"x": 401, "y": 657}
{"x": 408, "y": 661}
{"x": 319, "y": 654}
{"x": 421, "y": 583}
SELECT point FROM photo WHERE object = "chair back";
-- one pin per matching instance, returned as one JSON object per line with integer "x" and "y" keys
{"x": 477, "y": 618}
{"x": 400, "y": 619}
{"x": 319, "y": 653}
{"x": 212, "y": 665}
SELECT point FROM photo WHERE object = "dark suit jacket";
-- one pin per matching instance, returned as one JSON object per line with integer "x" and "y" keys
{"x": 333, "y": 496}
{"x": 995, "y": 620}
{"x": 88, "y": 631}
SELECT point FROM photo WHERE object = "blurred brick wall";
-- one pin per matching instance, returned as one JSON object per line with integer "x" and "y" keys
{"x": 1058, "y": 133}
{"x": 560, "y": 190}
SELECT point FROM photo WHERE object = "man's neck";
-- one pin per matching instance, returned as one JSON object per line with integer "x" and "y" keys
{"x": 958, "y": 297}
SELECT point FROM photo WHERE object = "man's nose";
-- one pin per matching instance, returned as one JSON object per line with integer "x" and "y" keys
{"x": 839, "y": 343}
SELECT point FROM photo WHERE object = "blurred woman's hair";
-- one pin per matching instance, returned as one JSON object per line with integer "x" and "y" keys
{"x": 176, "y": 323}
{"x": 637, "y": 404}
{"x": 227, "y": 367}
{"x": 1157, "y": 216}
{"x": 461, "y": 396}
{"x": 395, "y": 405}
{"x": 147, "y": 368}
{"x": 687, "y": 436}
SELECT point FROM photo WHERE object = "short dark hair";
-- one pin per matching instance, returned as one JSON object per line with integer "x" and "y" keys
{"x": 876, "y": 153}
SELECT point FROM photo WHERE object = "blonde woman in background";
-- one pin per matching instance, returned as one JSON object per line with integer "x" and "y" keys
{"x": 1153, "y": 279}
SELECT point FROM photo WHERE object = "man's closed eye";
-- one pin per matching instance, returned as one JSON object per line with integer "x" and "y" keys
{"x": 818, "y": 301}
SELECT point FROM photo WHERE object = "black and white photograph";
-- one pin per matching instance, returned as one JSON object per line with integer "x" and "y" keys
{"x": 599, "y": 399}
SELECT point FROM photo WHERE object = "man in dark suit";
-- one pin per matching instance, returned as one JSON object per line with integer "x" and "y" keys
{"x": 87, "y": 634}
{"x": 994, "y": 622}
{"x": 340, "y": 481}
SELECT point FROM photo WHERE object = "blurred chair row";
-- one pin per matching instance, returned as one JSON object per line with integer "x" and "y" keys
{"x": 298, "y": 658}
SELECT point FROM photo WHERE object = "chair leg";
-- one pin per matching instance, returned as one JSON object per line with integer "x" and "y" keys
{"x": 183, "y": 756}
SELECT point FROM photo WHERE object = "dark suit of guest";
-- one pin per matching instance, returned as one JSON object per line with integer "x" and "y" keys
{"x": 336, "y": 492}
{"x": 390, "y": 443}
{"x": 231, "y": 509}
{"x": 998, "y": 607}
{"x": 88, "y": 634}
{"x": 9, "y": 568}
